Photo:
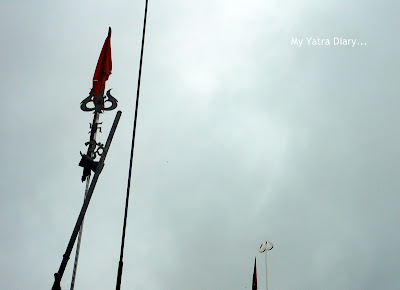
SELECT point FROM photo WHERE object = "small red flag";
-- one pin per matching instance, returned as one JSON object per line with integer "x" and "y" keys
{"x": 254, "y": 287}
{"x": 103, "y": 68}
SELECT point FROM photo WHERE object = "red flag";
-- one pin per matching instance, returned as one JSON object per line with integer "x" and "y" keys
{"x": 254, "y": 287}
{"x": 103, "y": 68}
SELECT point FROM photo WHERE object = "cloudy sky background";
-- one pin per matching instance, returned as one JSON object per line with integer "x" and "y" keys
{"x": 241, "y": 136}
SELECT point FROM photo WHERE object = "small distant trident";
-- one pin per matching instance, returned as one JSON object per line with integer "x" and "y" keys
{"x": 264, "y": 248}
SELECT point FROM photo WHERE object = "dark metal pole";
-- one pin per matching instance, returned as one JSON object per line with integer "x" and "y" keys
{"x": 59, "y": 274}
{"x": 121, "y": 263}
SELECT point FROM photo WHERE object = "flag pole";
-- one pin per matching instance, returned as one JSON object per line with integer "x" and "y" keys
{"x": 266, "y": 271}
{"x": 59, "y": 274}
{"x": 99, "y": 100}
{"x": 264, "y": 248}
{"x": 78, "y": 244}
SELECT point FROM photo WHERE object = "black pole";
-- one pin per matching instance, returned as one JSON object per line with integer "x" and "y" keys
{"x": 121, "y": 263}
{"x": 59, "y": 274}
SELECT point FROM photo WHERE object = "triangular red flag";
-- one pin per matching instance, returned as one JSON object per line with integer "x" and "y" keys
{"x": 254, "y": 287}
{"x": 103, "y": 68}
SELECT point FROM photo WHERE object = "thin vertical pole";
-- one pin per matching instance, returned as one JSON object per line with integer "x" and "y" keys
{"x": 266, "y": 270}
{"x": 78, "y": 243}
{"x": 121, "y": 257}
{"x": 264, "y": 248}
{"x": 90, "y": 153}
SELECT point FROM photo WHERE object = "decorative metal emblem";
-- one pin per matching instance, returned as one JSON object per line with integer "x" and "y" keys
{"x": 98, "y": 148}
{"x": 99, "y": 102}
{"x": 266, "y": 246}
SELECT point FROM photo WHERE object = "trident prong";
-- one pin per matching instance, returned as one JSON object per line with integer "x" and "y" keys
{"x": 101, "y": 101}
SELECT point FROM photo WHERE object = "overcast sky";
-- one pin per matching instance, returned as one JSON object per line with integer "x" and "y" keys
{"x": 242, "y": 135}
